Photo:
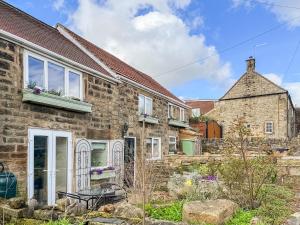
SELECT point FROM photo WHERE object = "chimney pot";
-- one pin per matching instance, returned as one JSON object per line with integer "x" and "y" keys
{"x": 250, "y": 64}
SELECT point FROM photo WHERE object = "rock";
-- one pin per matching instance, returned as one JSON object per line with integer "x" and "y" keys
{"x": 33, "y": 204}
{"x": 126, "y": 210}
{"x": 210, "y": 211}
{"x": 41, "y": 214}
{"x": 16, "y": 203}
{"x": 76, "y": 209}
{"x": 107, "y": 221}
{"x": 62, "y": 204}
{"x": 150, "y": 221}
{"x": 255, "y": 221}
{"x": 294, "y": 219}
{"x": 109, "y": 208}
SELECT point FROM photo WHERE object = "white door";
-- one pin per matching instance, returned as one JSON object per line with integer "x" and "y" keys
{"x": 49, "y": 164}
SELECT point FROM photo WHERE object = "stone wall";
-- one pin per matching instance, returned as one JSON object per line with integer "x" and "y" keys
{"x": 256, "y": 111}
{"x": 113, "y": 106}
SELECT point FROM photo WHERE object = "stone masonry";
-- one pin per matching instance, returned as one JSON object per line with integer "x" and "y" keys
{"x": 258, "y": 101}
{"x": 113, "y": 106}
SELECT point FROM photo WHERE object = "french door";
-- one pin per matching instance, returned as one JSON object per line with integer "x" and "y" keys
{"x": 49, "y": 164}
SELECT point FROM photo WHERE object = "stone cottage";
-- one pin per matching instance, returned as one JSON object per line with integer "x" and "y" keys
{"x": 266, "y": 107}
{"x": 68, "y": 109}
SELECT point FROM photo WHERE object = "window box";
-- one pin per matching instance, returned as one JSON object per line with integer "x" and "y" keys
{"x": 177, "y": 123}
{"x": 105, "y": 174}
{"x": 56, "y": 101}
{"x": 148, "y": 119}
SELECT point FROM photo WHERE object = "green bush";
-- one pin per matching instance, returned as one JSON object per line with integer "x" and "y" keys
{"x": 171, "y": 212}
{"x": 242, "y": 217}
{"x": 275, "y": 204}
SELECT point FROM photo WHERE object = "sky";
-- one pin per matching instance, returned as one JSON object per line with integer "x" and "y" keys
{"x": 195, "y": 48}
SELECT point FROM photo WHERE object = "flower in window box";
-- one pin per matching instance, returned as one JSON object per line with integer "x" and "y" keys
{"x": 37, "y": 90}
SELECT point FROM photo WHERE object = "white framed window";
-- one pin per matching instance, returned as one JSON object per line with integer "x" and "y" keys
{"x": 269, "y": 127}
{"x": 51, "y": 76}
{"x": 99, "y": 154}
{"x": 153, "y": 148}
{"x": 145, "y": 105}
{"x": 172, "y": 145}
{"x": 196, "y": 112}
{"x": 182, "y": 114}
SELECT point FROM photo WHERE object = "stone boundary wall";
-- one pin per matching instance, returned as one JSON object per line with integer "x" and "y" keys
{"x": 288, "y": 167}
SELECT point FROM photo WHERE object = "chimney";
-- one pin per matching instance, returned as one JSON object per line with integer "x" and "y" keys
{"x": 250, "y": 64}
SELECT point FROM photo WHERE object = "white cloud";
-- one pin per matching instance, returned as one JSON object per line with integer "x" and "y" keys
{"x": 286, "y": 11}
{"x": 58, "y": 4}
{"x": 292, "y": 87}
{"x": 274, "y": 78}
{"x": 154, "y": 42}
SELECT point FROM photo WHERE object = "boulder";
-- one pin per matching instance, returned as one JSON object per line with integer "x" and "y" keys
{"x": 109, "y": 208}
{"x": 255, "y": 221}
{"x": 126, "y": 210}
{"x": 62, "y": 204}
{"x": 215, "y": 212}
{"x": 76, "y": 209}
{"x": 33, "y": 204}
{"x": 150, "y": 221}
{"x": 294, "y": 219}
{"x": 16, "y": 203}
{"x": 43, "y": 214}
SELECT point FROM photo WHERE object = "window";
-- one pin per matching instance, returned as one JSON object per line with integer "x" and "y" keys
{"x": 99, "y": 154}
{"x": 176, "y": 112}
{"x": 196, "y": 112}
{"x": 172, "y": 145}
{"x": 56, "y": 78}
{"x": 145, "y": 105}
{"x": 269, "y": 127}
{"x": 182, "y": 114}
{"x": 51, "y": 76}
{"x": 153, "y": 148}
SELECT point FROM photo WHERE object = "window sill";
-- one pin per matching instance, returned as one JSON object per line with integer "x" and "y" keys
{"x": 148, "y": 119}
{"x": 178, "y": 123}
{"x": 56, "y": 101}
{"x": 105, "y": 175}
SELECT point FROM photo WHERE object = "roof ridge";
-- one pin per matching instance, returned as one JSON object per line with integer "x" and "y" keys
{"x": 27, "y": 14}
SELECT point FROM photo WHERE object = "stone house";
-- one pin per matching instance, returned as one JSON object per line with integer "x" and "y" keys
{"x": 266, "y": 107}
{"x": 69, "y": 117}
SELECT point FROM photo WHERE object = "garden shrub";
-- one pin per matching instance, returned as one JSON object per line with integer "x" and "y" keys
{"x": 171, "y": 212}
{"x": 242, "y": 217}
{"x": 275, "y": 204}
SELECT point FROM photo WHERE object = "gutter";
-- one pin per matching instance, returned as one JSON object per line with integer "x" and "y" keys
{"x": 38, "y": 49}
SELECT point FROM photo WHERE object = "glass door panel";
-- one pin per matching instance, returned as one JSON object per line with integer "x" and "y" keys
{"x": 61, "y": 164}
{"x": 40, "y": 161}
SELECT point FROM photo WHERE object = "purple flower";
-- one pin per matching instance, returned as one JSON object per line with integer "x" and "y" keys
{"x": 100, "y": 171}
{"x": 210, "y": 178}
{"x": 37, "y": 90}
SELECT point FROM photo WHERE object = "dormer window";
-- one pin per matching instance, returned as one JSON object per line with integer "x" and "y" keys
{"x": 145, "y": 105}
{"x": 51, "y": 76}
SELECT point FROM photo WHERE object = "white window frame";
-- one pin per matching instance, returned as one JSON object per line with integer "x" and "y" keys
{"x": 108, "y": 153}
{"x": 266, "y": 124}
{"x": 146, "y": 98}
{"x": 182, "y": 114}
{"x": 152, "y": 144}
{"x": 198, "y": 112}
{"x": 46, "y": 61}
{"x": 173, "y": 143}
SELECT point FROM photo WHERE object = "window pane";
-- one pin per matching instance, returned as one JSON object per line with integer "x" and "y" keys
{"x": 148, "y": 106}
{"x": 35, "y": 71}
{"x": 141, "y": 104}
{"x": 172, "y": 148}
{"x": 196, "y": 112}
{"x": 61, "y": 163}
{"x": 74, "y": 85}
{"x": 99, "y": 155}
{"x": 148, "y": 148}
{"x": 155, "y": 151}
{"x": 56, "y": 78}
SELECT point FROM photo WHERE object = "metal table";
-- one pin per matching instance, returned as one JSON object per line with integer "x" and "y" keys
{"x": 93, "y": 195}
